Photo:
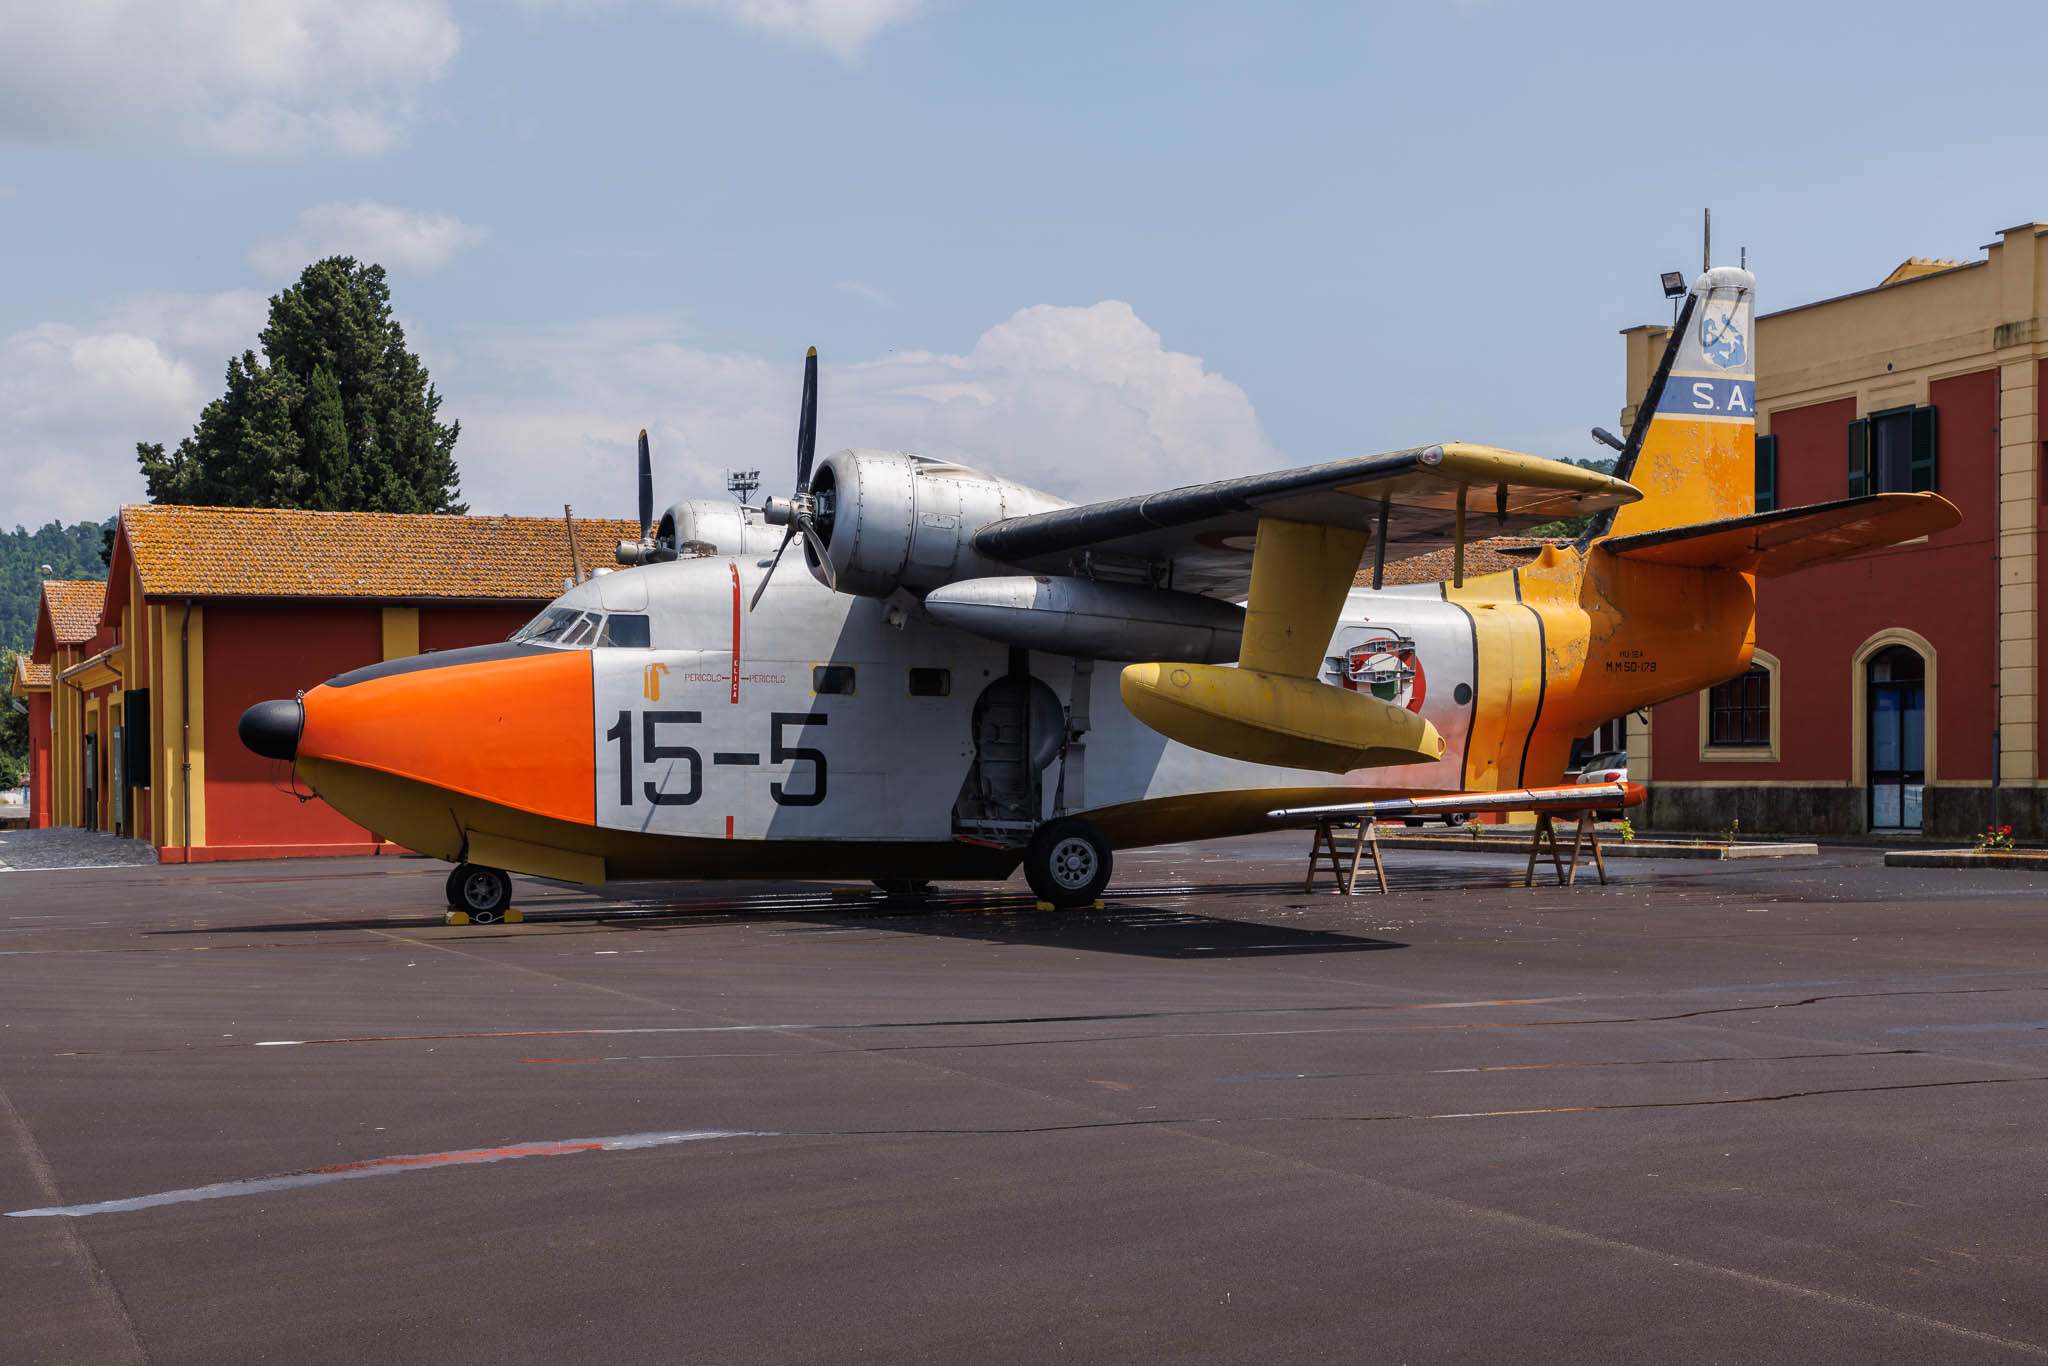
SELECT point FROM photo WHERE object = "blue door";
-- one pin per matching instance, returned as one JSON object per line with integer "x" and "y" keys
{"x": 1898, "y": 738}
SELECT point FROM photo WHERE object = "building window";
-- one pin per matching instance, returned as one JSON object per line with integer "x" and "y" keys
{"x": 1766, "y": 473}
{"x": 1739, "y": 711}
{"x": 832, "y": 680}
{"x": 1892, "y": 452}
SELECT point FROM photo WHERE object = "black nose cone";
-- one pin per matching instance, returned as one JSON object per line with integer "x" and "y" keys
{"x": 271, "y": 729}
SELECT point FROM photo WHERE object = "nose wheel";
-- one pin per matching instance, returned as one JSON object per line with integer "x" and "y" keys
{"x": 1067, "y": 862}
{"x": 481, "y": 893}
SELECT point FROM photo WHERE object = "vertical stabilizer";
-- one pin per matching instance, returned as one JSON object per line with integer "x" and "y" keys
{"x": 1696, "y": 461}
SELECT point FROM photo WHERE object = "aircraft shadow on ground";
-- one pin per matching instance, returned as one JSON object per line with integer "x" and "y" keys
{"x": 1156, "y": 926}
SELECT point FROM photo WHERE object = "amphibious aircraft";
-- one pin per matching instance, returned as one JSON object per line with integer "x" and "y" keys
{"x": 926, "y": 700}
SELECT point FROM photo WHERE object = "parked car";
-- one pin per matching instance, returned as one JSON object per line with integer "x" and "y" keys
{"x": 1603, "y": 768}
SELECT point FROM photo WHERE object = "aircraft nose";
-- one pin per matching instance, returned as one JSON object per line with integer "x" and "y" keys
{"x": 272, "y": 729}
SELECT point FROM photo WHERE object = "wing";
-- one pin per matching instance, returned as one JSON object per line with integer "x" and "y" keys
{"x": 1769, "y": 544}
{"x": 1199, "y": 539}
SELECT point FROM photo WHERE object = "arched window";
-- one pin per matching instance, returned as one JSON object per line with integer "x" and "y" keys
{"x": 1739, "y": 717}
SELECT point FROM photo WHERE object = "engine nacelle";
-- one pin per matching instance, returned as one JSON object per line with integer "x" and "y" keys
{"x": 891, "y": 520}
{"x": 1069, "y": 616}
{"x": 704, "y": 526}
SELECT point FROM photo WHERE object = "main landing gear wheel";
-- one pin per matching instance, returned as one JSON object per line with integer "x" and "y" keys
{"x": 1067, "y": 862}
{"x": 482, "y": 892}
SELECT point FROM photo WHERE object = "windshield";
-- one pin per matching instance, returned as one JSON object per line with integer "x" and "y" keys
{"x": 573, "y": 628}
{"x": 551, "y": 626}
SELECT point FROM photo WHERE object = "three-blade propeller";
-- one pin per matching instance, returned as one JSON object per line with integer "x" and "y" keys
{"x": 796, "y": 512}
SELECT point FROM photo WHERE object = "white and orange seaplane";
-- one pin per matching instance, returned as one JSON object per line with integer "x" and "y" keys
{"x": 926, "y": 701}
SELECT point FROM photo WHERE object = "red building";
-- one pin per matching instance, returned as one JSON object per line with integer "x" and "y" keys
{"x": 1898, "y": 691}
{"x": 209, "y": 610}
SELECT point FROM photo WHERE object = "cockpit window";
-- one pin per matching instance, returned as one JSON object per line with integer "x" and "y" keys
{"x": 573, "y": 629}
{"x": 627, "y": 630}
{"x": 549, "y": 627}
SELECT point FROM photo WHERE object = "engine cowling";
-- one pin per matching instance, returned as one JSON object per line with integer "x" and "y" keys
{"x": 704, "y": 526}
{"x": 893, "y": 520}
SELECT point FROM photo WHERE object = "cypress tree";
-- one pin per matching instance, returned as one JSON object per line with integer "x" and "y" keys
{"x": 338, "y": 415}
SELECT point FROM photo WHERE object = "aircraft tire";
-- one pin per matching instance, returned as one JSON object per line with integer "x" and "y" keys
{"x": 482, "y": 892}
{"x": 1068, "y": 862}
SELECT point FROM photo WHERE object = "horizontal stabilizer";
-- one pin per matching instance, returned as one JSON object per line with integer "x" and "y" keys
{"x": 1769, "y": 544}
{"x": 1579, "y": 797}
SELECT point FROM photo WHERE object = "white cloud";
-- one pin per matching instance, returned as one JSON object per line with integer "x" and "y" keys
{"x": 261, "y": 77}
{"x": 75, "y": 400}
{"x": 841, "y": 27}
{"x": 1083, "y": 402}
{"x": 394, "y": 238}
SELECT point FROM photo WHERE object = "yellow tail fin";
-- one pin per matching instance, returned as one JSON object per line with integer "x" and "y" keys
{"x": 1692, "y": 448}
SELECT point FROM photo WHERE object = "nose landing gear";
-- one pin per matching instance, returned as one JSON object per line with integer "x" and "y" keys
{"x": 482, "y": 895}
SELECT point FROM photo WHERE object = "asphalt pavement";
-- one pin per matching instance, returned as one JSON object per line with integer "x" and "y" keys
{"x": 1789, "y": 1110}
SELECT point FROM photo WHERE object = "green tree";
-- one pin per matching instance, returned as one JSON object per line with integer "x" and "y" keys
{"x": 337, "y": 415}
{"x": 13, "y": 726}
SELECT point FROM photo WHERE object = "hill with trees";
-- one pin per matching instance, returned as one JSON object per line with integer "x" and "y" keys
{"x": 72, "y": 552}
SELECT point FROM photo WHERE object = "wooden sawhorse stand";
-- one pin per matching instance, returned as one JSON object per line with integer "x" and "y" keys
{"x": 1365, "y": 838}
{"x": 1587, "y": 837}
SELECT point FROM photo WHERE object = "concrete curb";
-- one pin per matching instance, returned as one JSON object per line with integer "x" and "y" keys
{"x": 1612, "y": 848}
{"x": 2024, "y": 860}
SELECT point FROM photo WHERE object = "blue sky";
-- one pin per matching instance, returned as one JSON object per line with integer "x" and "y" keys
{"x": 1101, "y": 248}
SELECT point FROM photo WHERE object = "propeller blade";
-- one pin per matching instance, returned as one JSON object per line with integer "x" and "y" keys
{"x": 807, "y": 423}
{"x": 762, "y": 586}
{"x": 817, "y": 545}
{"x": 646, "y": 486}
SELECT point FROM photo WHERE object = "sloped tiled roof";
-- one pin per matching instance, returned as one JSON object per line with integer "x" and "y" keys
{"x": 74, "y": 607}
{"x": 280, "y": 552}
{"x": 1481, "y": 557}
{"x": 28, "y": 675}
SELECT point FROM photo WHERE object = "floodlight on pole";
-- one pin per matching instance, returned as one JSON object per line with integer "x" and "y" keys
{"x": 742, "y": 483}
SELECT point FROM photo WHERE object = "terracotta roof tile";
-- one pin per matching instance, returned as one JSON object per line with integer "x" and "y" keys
{"x": 28, "y": 674}
{"x": 1481, "y": 557}
{"x": 281, "y": 552}
{"x": 74, "y": 607}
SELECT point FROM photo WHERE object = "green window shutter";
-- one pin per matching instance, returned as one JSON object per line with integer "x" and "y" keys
{"x": 1859, "y": 457}
{"x": 1766, "y": 473}
{"x": 1923, "y": 480}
